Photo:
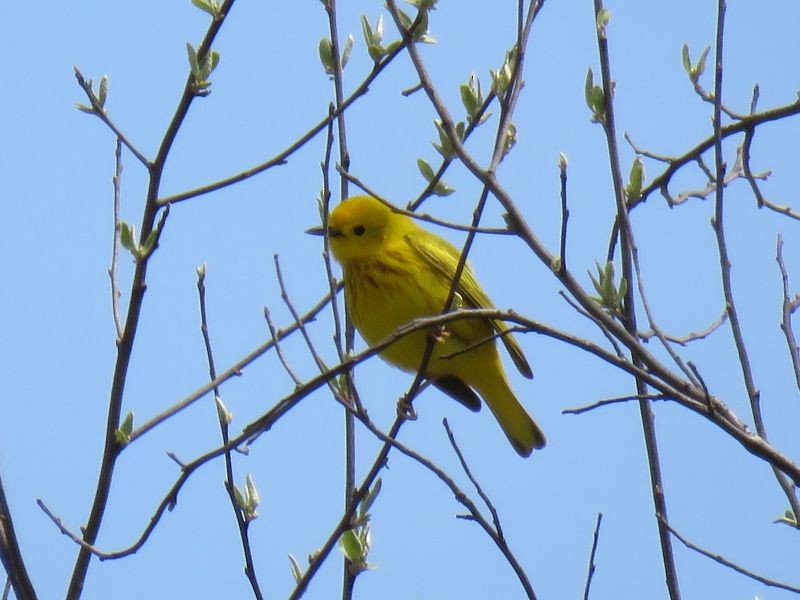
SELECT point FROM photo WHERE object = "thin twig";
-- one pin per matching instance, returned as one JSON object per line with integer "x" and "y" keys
{"x": 600, "y": 325}
{"x": 628, "y": 259}
{"x": 486, "y": 500}
{"x": 11, "y": 554}
{"x": 731, "y": 565}
{"x": 425, "y": 217}
{"x": 278, "y": 350}
{"x": 242, "y": 524}
{"x": 281, "y": 157}
{"x": 692, "y": 336}
{"x": 233, "y": 371}
{"x": 753, "y": 393}
{"x": 101, "y": 113}
{"x": 661, "y": 181}
{"x": 562, "y": 168}
{"x": 608, "y": 401}
{"x": 115, "y": 244}
{"x": 590, "y": 571}
{"x": 296, "y": 316}
{"x": 349, "y": 573}
{"x": 790, "y": 305}
{"x": 461, "y": 497}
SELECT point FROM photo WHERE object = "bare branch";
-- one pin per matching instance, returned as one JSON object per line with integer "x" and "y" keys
{"x": 691, "y": 336}
{"x": 495, "y": 517}
{"x": 731, "y": 565}
{"x": 281, "y": 157}
{"x": 608, "y": 401}
{"x": 590, "y": 571}
{"x": 790, "y": 305}
{"x": 11, "y": 554}
{"x": 425, "y": 217}
{"x": 115, "y": 244}
{"x": 629, "y": 259}
{"x": 242, "y": 524}
{"x": 101, "y": 113}
{"x": 233, "y": 371}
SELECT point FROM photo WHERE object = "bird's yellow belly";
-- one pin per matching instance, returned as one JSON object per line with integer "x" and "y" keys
{"x": 380, "y": 302}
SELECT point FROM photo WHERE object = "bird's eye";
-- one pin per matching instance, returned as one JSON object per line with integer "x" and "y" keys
{"x": 359, "y": 230}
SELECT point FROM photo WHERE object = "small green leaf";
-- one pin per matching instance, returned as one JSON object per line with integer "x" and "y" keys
{"x": 102, "y": 92}
{"x": 634, "y": 188}
{"x": 297, "y": 571}
{"x": 609, "y": 296}
{"x": 595, "y": 98}
{"x": 788, "y": 518}
{"x": 701, "y": 63}
{"x": 127, "y": 237}
{"x": 326, "y": 55}
{"x": 510, "y": 139}
{"x": 147, "y": 247}
{"x": 687, "y": 62}
{"x": 225, "y": 416}
{"x": 442, "y": 189}
{"x": 444, "y": 147}
{"x": 470, "y": 100}
{"x": 587, "y": 90}
{"x": 348, "y": 47}
{"x": 193, "y": 65}
{"x": 208, "y": 6}
{"x": 213, "y": 62}
{"x": 501, "y": 78}
{"x": 241, "y": 503}
{"x": 253, "y": 499}
{"x": 371, "y": 496}
{"x": 694, "y": 71}
{"x": 603, "y": 17}
{"x": 123, "y": 434}
{"x": 369, "y": 36}
{"x": 84, "y": 108}
{"x": 425, "y": 169}
{"x": 351, "y": 547}
{"x": 622, "y": 290}
{"x": 374, "y": 38}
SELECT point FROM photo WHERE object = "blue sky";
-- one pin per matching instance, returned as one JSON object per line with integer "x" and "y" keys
{"x": 57, "y": 330}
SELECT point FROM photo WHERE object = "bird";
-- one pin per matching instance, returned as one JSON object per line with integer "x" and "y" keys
{"x": 394, "y": 272}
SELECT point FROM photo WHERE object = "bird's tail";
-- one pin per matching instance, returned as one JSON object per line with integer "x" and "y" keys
{"x": 520, "y": 428}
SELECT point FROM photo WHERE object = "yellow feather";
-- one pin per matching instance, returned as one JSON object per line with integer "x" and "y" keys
{"x": 395, "y": 272}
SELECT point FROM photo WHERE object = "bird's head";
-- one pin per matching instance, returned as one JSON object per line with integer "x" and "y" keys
{"x": 358, "y": 227}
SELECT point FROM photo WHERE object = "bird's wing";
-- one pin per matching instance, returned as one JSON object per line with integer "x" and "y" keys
{"x": 442, "y": 257}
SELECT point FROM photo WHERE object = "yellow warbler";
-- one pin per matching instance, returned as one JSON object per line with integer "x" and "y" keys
{"x": 395, "y": 272}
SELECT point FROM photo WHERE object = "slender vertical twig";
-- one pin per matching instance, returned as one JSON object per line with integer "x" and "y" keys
{"x": 112, "y": 270}
{"x": 592, "y": 567}
{"x": 224, "y": 425}
{"x": 626, "y": 245}
{"x": 790, "y": 305}
{"x": 562, "y": 169}
{"x": 349, "y": 574}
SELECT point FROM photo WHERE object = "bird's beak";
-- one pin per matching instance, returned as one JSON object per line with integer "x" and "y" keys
{"x": 318, "y": 230}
